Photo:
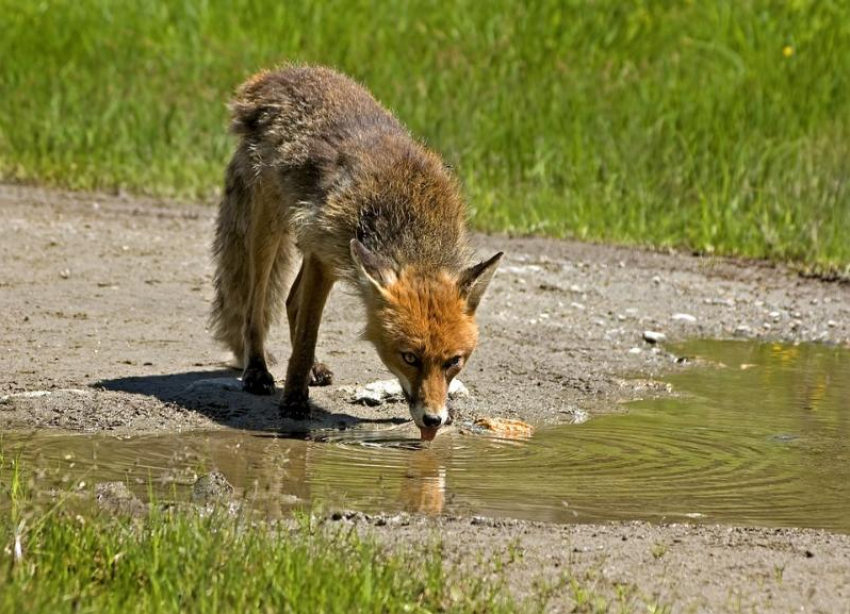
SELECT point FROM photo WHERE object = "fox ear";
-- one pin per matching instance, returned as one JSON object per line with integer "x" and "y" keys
{"x": 474, "y": 280}
{"x": 373, "y": 268}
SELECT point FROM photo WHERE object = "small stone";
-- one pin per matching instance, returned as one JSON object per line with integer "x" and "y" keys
{"x": 653, "y": 337}
{"x": 635, "y": 351}
{"x": 832, "y": 323}
{"x": 457, "y": 390}
{"x": 578, "y": 306}
{"x": 116, "y": 498}
{"x": 389, "y": 391}
{"x": 742, "y": 330}
{"x": 684, "y": 317}
{"x": 656, "y": 280}
{"x": 211, "y": 487}
{"x": 65, "y": 273}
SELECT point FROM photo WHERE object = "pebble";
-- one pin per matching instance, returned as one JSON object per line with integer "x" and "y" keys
{"x": 635, "y": 350}
{"x": 211, "y": 487}
{"x": 743, "y": 330}
{"x": 651, "y": 336}
{"x": 684, "y": 317}
{"x": 389, "y": 391}
{"x": 115, "y": 497}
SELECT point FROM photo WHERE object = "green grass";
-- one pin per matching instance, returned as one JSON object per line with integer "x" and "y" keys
{"x": 719, "y": 126}
{"x": 189, "y": 563}
{"x": 66, "y": 556}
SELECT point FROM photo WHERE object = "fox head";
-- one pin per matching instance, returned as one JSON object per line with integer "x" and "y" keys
{"x": 422, "y": 323}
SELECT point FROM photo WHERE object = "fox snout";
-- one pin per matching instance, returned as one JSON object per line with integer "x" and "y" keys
{"x": 427, "y": 402}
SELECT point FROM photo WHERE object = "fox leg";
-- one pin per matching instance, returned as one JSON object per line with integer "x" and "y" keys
{"x": 306, "y": 304}
{"x": 320, "y": 373}
{"x": 263, "y": 250}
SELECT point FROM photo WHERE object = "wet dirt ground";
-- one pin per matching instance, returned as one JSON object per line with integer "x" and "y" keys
{"x": 103, "y": 305}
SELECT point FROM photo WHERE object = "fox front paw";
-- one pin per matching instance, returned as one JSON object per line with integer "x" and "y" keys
{"x": 258, "y": 381}
{"x": 321, "y": 375}
{"x": 295, "y": 406}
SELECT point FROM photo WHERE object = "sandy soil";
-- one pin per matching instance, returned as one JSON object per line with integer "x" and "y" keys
{"x": 640, "y": 567}
{"x": 103, "y": 304}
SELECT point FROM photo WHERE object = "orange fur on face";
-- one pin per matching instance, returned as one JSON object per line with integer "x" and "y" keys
{"x": 422, "y": 313}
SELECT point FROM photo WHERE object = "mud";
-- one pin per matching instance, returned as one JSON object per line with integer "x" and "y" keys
{"x": 103, "y": 305}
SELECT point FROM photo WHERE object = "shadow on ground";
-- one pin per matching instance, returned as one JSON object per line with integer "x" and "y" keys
{"x": 218, "y": 396}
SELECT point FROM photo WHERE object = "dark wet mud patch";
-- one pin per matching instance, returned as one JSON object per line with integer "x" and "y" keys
{"x": 759, "y": 434}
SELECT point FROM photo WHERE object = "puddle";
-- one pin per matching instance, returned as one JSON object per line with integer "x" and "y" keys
{"x": 761, "y": 437}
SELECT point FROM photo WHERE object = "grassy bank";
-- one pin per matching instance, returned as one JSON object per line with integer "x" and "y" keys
{"x": 188, "y": 563}
{"x": 64, "y": 555}
{"x": 53, "y": 560}
{"x": 720, "y": 126}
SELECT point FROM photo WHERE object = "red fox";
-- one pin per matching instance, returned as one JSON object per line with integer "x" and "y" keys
{"x": 323, "y": 169}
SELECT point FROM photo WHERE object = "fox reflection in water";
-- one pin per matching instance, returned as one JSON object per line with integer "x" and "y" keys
{"x": 424, "y": 487}
{"x": 277, "y": 474}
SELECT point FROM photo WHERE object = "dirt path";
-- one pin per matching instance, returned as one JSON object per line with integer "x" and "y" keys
{"x": 103, "y": 305}
{"x": 640, "y": 567}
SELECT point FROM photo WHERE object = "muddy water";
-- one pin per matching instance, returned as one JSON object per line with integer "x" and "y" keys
{"x": 758, "y": 435}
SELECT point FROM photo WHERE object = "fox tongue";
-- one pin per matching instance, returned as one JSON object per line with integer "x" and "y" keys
{"x": 428, "y": 433}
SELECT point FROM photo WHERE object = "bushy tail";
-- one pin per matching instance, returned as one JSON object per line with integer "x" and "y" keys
{"x": 232, "y": 250}
{"x": 230, "y": 254}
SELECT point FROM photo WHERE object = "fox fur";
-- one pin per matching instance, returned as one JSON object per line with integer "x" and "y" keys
{"x": 322, "y": 169}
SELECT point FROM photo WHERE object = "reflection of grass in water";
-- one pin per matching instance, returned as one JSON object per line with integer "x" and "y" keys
{"x": 718, "y": 125}
{"x": 807, "y": 385}
{"x": 56, "y": 560}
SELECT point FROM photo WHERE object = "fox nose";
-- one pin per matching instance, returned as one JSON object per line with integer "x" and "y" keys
{"x": 431, "y": 420}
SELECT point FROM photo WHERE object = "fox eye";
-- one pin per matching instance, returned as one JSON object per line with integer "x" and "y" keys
{"x": 452, "y": 363}
{"x": 410, "y": 358}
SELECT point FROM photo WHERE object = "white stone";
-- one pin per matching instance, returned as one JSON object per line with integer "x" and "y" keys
{"x": 651, "y": 336}
{"x": 389, "y": 391}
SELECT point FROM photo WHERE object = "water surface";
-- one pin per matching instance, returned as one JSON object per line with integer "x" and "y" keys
{"x": 759, "y": 435}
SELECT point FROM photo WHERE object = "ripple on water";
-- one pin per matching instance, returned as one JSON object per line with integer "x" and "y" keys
{"x": 767, "y": 444}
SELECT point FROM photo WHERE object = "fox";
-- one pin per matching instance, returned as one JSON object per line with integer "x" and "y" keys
{"x": 324, "y": 174}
